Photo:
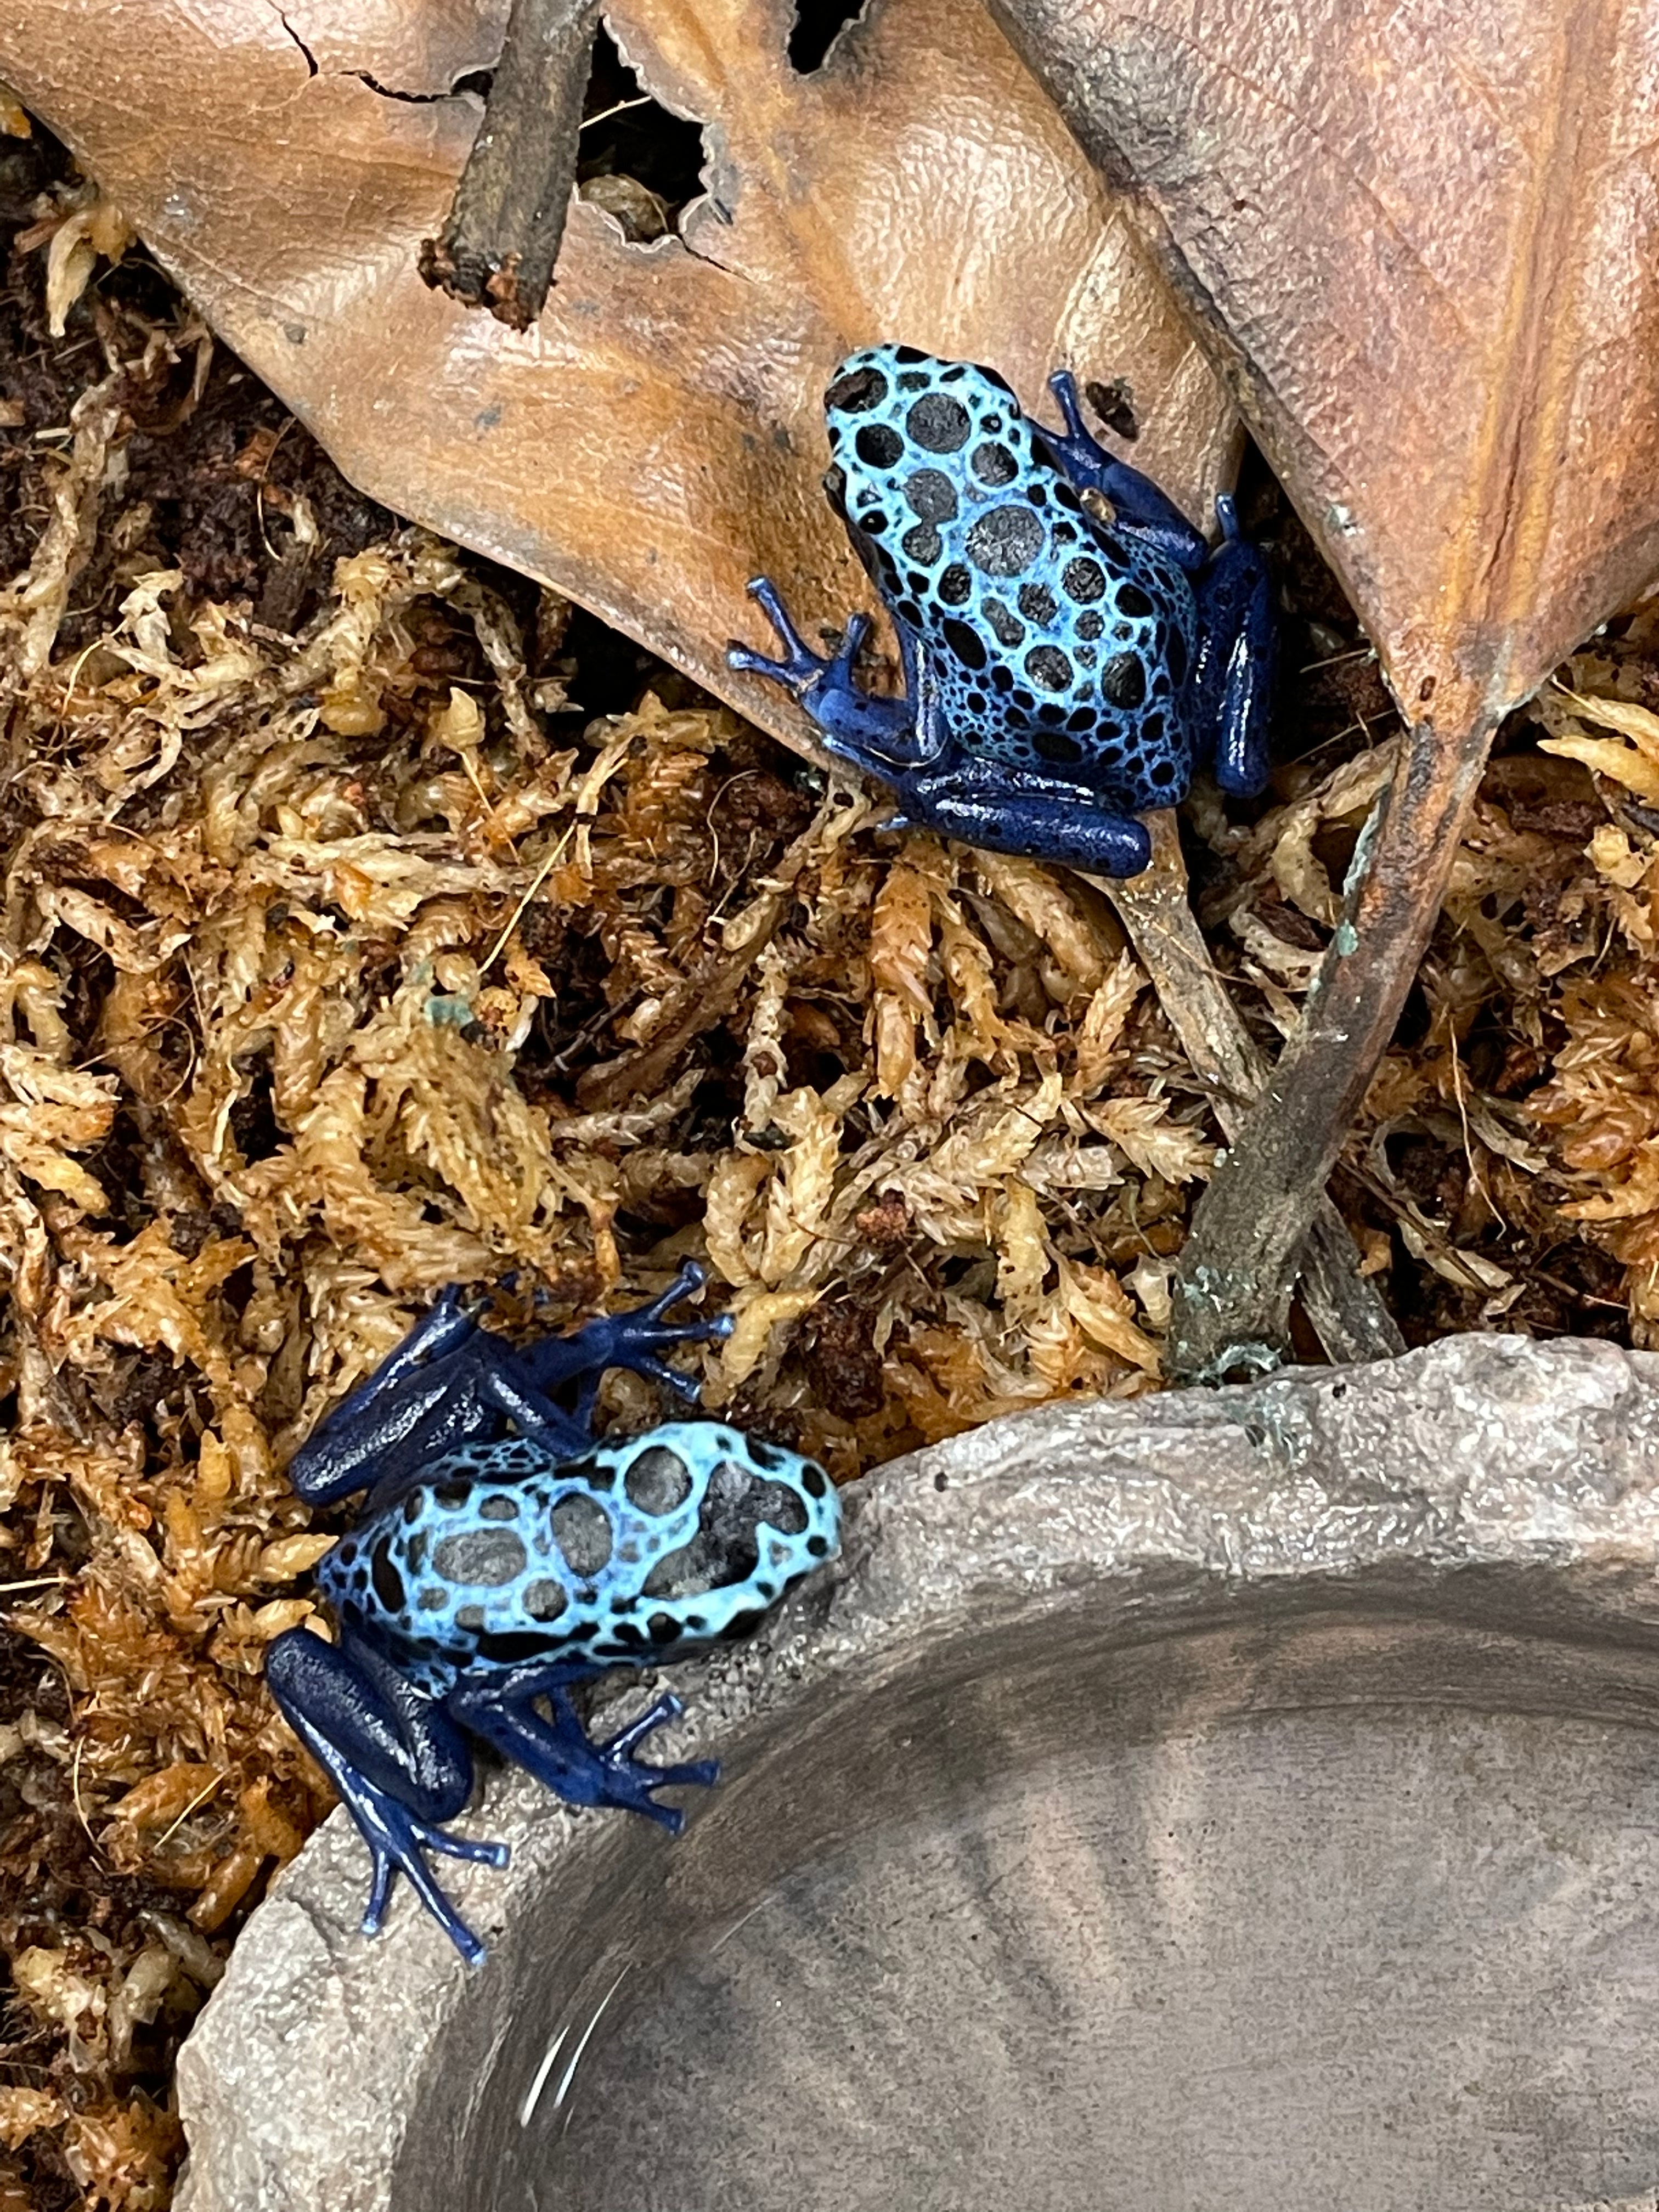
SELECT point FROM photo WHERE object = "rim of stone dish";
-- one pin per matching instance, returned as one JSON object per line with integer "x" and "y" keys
{"x": 1369, "y": 1490}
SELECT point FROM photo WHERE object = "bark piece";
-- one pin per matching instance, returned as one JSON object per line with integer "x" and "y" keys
{"x": 1346, "y": 1311}
{"x": 499, "y": 246}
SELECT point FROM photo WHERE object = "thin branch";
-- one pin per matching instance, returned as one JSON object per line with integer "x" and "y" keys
{"x": 506, "y": 220}
{"x": 1347, "y": 1314}
{"x": 1232, "y": 1294}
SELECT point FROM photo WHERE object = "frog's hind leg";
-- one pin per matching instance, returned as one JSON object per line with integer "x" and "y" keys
{"x": 1232, "y": 680}
{"x": 400, "y": 1764}
{"x": 564, "y": 1756}
{"x": 1000, "y": 810}
{"x": 342, "y": 1453}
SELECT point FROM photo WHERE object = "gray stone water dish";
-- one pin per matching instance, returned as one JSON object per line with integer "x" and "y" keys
{"x": 1242, "y": 1800}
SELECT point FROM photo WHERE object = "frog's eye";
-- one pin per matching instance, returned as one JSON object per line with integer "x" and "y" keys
{"x": 857, "y": 393}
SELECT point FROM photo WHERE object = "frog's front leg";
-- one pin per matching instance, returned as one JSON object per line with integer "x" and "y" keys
{"x": 400, "y": 1764}
{"x": 874, "y": 734}
{"x": 635, "y": 1339}
{"x": 1237, "y": 651}
{"x": 502, "y": 1710}
{"x": 1148, "y": 515}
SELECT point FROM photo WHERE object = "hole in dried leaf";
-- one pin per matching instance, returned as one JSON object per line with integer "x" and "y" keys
{"x": 638, "y": 162}
{"x": 818, "y": 24}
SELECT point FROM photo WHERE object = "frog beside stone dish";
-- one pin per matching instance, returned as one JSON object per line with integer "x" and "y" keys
{"x": 503, "y": 1557}
{"x": 1062, "y": 673}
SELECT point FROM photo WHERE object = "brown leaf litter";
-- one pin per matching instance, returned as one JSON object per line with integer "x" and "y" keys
{"x": 373, "y": 922}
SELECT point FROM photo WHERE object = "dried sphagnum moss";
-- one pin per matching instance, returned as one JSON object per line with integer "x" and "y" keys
{"x": 338, "y": 967}
{"x": 323, "y": 984}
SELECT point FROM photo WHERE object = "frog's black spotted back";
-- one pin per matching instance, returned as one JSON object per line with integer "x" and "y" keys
{"x": 1056, "y": 646}
{"x": 505, "y": 1553}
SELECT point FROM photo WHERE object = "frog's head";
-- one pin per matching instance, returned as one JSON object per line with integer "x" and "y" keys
{"x": 913, "y": 442}
{"x": 891, "y": 405}
{"x": 727, "y": 1525}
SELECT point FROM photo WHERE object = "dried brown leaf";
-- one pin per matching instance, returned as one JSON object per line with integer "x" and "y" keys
{"x": 919, "y": 185}
{"x": 1415, "y": 243}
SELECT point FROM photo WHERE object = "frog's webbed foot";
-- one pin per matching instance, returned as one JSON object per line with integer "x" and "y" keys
{"x": 397, "y": 1841}
{"x": 1233, "y": 677}
{"x": 565, "y": 1757}
{"x": 868, "y": 732}
{"x": 801, "y": 668}
{"x": 398, "y": 1764}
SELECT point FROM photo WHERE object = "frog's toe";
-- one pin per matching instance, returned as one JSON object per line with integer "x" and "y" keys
{"x": 686, "y": 1388}
{"x": 698, "y": 1330}
{"x": 668, "y": 1707}
{"x": 629, "y": 1783}
{"x": 800, "y": 665}
{"x": 1063, "y": 385}
{"x": 639, "y": 1340}
{"x": 397, "y": 1842}
{"x": 744, "y": 660}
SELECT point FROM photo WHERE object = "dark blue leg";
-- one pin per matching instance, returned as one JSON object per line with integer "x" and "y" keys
{"x": 334, "y": 1459}
{"x": 470, "y": 1396}
{"x": 399, "y": 1763}
{"x": 453, "y": 1384}
{"x": 1001, "y": 811}
{"x": 561, "y": 1755}
{"x": 636, "y": 1340}
{"x": 1233, "y": 679}
{"x": 870, "y": 733}
{"x": 443, "y": 1327}
{"x": 1150, "y": 514}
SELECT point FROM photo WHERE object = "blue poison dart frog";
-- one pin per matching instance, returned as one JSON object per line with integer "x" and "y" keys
{"x": 503, "y": 1556}
{"x": 1062, "y": 672}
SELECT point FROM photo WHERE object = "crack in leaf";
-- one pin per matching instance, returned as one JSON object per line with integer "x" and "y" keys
{"x": 477, "y": 81}
{"x": 311, "y": 58}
